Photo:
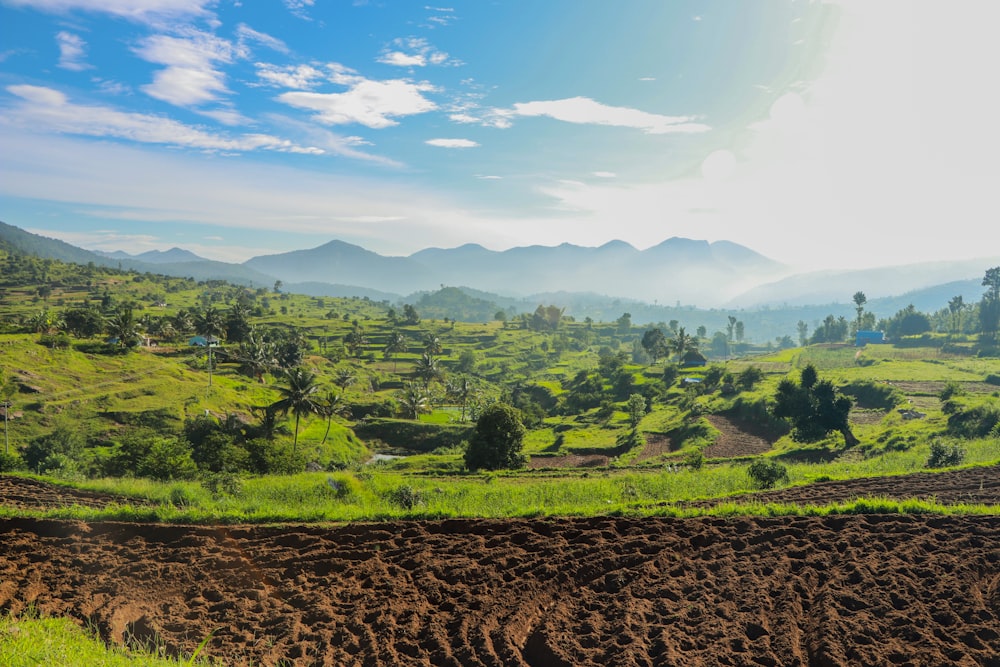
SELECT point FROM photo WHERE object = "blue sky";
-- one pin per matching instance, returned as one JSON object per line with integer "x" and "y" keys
{"x": 821, "y": 134}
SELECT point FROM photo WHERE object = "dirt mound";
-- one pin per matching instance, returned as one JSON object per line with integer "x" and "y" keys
{"x": 872, "y": 590}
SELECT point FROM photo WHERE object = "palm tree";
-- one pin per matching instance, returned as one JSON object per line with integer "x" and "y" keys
{"x": 124, "y": 328}
{"x": 956, "y": 305}
{"x": 432, "y": 345}
{"x": 462, "y": 390}
{"x": 395, "y": 344}
{"x": 256, "y": 355}
{"x": 210, "y": 324}
{"x": 414, "y": 400}
{"x": 299, "y": 398}
{"x": 333, "y": 405}
{"x": 427, "y": 368}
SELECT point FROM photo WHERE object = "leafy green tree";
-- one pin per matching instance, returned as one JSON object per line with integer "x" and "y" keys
{"x": 908, "y": 322}
{"x": 355, "y": 341}
{"x": 497, "y": 440}
{"x": 765, "y": 473}
{"x": 749, "y": 377}
{"x": 814, "y": 407}
{"x": 432, "y": 345}
{"x": 635, "y": 406}
{"x": 410, "y": 315}
{"x": 956, "y": 306}
{"x": 298, "y": 397}
{"x": 731, "y": 328}
{"x": 859, "y": 305}
{"x": 624, "y": 323}
{"x": 237, "y": 323}
{"x": 85, "y": 322}
{"x": 681, "y": 343}
{"x": 655, "y": 343}
{"x": 803, "y": 330}
{"x": 256, "y": 355}
{"x": 989, "y": 306}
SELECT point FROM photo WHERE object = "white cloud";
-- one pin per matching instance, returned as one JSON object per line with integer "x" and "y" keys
{"x": 136, "y": 10}
{"x": 414, "y": 52}
{"x": 190, "y": 77}
{"x": 297, "y": 77}
{"x": 452, "y": 143}
{"x": 72, "y": 51}
{"x": 587, "y": 111}
{"x": 49, "y": 109}
{"x": 245, "y": 34}
{"x": 298, "y": 7}
{"x": 374, "y": 104}
{"x": 605, "y": 174}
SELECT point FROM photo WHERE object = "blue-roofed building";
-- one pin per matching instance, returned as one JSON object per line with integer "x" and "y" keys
{"x": 865, "y": 337}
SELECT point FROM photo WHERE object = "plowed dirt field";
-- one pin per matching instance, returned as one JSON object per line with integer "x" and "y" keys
{"x": 844, "y": 590}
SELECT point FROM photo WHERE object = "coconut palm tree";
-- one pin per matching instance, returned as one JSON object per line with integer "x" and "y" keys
{"x": 395, "y": 344}
{"x": 333, "y": 406}
{"x": 414, "y": 400}
{"x": 299, "y": 398}
{"x": 427, "y": 368}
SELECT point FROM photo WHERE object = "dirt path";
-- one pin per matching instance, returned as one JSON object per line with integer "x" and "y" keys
{"x": 843, "y": 590}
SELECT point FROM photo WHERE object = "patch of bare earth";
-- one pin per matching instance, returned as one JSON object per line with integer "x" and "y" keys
{"x": 837, "y": 590}
{"x": 737, "y": 438}
{"x": 568, "y": 461}
{"x": 657, "y": 444}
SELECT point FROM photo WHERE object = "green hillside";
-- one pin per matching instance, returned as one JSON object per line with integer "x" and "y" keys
{"x": 101, "y": 381}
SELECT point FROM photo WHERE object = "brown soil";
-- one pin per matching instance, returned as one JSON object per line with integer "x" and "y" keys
{"x": 738, "y": 438}
{"x": 25, "y": 493}
{"x": 842, "y": 590}
{"x": 568, "y": 461}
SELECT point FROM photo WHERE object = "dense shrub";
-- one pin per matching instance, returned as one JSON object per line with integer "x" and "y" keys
{"x": 873, "y": 395}
{"x": 10, "y": 462}
{"x": 944, "y": 456}
{"x": 975, "y": 422}
{"x": 497, "y": 440}
{"x": 766, "y": 473}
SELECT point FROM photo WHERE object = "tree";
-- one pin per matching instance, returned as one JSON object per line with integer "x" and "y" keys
{"x": 299, "y": 398}
{"x": 211, "y": 324}
{"x": 731, "y": 328}
{"x": 427, "y": 368}
{"x": 908, "y": 322}
{"x": 859, "y": 305}
{"x": 624, "y": 323}
{"x": 410, "y": 315}
{"x": 256, "y": 355}
{"x": 461, "y": 390}
{"x": 814, "y": 407}
{"x": 739, "y": 331}
{"x": 355, "y": 340}
{"x": 803, "y": 330}
{"x": 414, "y": 400}
{"x": 123, "y": 327}
{"x": 432, "y": 345}
{"x": 394, "y": 344}
{"x": 83, "y": 322}
{"x": 956, "y": 305}
{"x": 681, "y": 343}
{"x": 333, "y": 406}
{"x": 635, "y": 406}
{"x": 989, "y": 307}
{"x": 497, "y": 440}
{"x": 655, "y": 343}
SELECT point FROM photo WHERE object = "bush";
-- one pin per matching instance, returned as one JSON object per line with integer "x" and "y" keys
{"x": 976, "y": 422}
{"x": 765, "y": 474}
{"x": 873, "y": 395}
{"x": 945, "y": 456}
{"x": 497, "y": 440}
{"x": 406, "y": 497}
{"x": 10, "y": 462}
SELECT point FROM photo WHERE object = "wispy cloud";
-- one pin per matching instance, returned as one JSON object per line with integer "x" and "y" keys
{"x": 246, "y": 35}
{"x": 190, "y": 77}
{"x": 605, "y": 174}
{"x": 296, "y": 77}
{"x": 72, "y": 51}
{"x": 441, "y": 16}
{"x": 298, "y": 8}
{"x": 452, "y": 143}
{"x": 368, "y": 102}
{"x": 414, "y": 52}
{"x": 48, "y": 109}
{"x": 584, "y": 110}
{"x": 136, "y": 10}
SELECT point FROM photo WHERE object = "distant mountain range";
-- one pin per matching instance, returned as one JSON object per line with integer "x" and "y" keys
{"x": 678, "y": 273}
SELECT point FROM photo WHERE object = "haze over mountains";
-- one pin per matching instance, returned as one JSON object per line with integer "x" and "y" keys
{"x": 685, "y": 272}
